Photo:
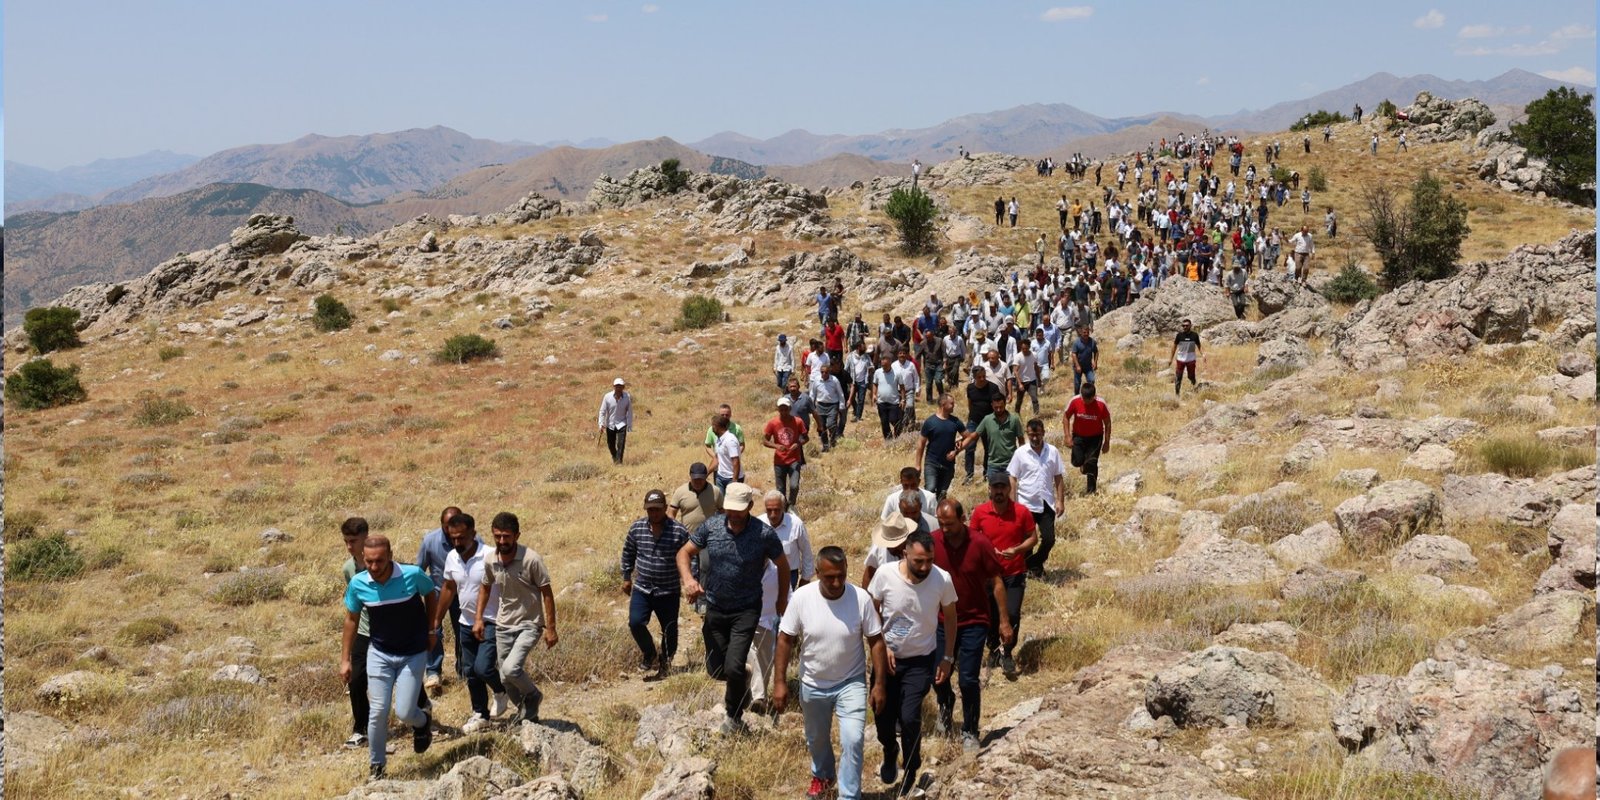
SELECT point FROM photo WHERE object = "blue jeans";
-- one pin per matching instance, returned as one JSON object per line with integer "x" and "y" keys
{"x": 972, "y": 451}
{"x": 970, "y": 641}
{"x": 848, "y": 700}
{"x": 478, "y": 665}
{"x": 665, "y": 609}
{"x": 1078, "y": 379}
{"x": 783, "y": 379}
{"x": 396, "y": 678}
{"x": 937, "y": 473}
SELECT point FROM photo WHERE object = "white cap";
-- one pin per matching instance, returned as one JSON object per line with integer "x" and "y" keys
{"x": 783, "y": 400}
{"x": 619, "y": 382}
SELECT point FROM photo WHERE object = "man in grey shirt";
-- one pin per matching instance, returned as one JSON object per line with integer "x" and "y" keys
{"x": 527, "y": 610}
{"x": 1235, "y": 283}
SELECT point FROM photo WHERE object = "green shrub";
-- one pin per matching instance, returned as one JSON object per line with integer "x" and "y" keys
{"x": 148, "y": 630}
{"x": 41, "y": 384}
{"x": 1317, "y": 119}
{"x": 389, "y": 305}
{"x": 699, "y": 311}
{"x": 52, "y": 558}
{"x": 677, "y": 177}
{"x": 914, "y": 214}
{"x": 254, "y": 586}
{"x": 1519, "y": 457}
{"x": 466, "y": 347}
{"x": 1420, "y": 240}
{"x": 1317, "y": 180}
{"x": 1560, "y": 129}
{"x": 1280, "y": 174}
{"x": 1351, "y": 285}
{"x": 156, "y": 411}
{"x": 52, "y": 328}
{"x": 1387, "y": 109}
{"x": 169, "y": 353}
{"x": 331, "y": 315}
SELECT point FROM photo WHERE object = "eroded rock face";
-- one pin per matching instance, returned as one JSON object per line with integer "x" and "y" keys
{"x": 1494, "y": 496}
{"x": 1275, "y": 292}
{"x": 1160, "y": 311}
{"x": 1436, "y": 119}
{"x": 798, "y": 276}
{"x": 1475, "y": 721}
{"x": 1390, "y": 513}
{"x": 1548, "y": 622}
{"x": 1222, "y": 685}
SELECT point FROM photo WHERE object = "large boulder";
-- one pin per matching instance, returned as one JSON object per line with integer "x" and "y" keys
{"x": 264, "y": 235}
{"x": 1390, "y": 513}
{"x": 1548, "y": 622}
{"x": 1571, "y": 541}
{"x": 1208, "y": 558}
{"x": 1486, "y": 302}
{"x": 1313, "y": 545}
{"x": 978, "y": 169}
{"x": 1223, "y": 686}
{"x": 1275, "y": 291}
{"x": 1160, "y": 311}
{"x": 1494, "y": 496}
{"x": 1283, "y": 353}
{"x": 684, "y": 779}
{"x": 1313, "y": 581}
{"x": 1437, "y": 119}
{"x": 1434, "y": 555}
{"x": 1474, "y": 722}
{"x": 561, "y": 747}
{"x": 1198, "y": 463}
{"x": 528, "y": 265}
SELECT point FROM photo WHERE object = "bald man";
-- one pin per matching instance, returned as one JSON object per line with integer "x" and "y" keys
{"x": 1572, "y": 775}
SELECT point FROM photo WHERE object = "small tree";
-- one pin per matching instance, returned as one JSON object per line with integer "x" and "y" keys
{"x": 466, "y": 347}
{"x": 1317, "y": 180}
{"x": 1418, "y": 241}
{"x": 677, "y": 178}
{"x": 331, "y": 315}
{"x": 52, "y": 328}
{"x": 1317, "y": 119}
{"x": 1560, "y": 130}
{"x": 699, "y": 311}
{"x": 1387, "y": 109}
{"x": 1351, "y": 285}
{"x": 41, "y": 384}
{"x": 913, "y": 213}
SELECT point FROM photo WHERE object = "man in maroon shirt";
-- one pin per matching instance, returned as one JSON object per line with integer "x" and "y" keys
{"x": 1011, "y": 529}
{"x": 1087, "y": 424}
{"x": 973, "y": 565}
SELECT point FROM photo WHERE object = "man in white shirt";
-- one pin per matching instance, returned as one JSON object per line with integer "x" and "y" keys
{"x": 890, "y": 395}
{"x": 791, "y": 530}
{"x": 1303, "y": 250}
{"x": 729, "y": 468}
{"x": 858, "y": 366}
{"x": 827, "y": 392}
{"x": 783, "y": 362}
{"x": 616, "y": 419}
{"x": 955, "y": 357}
{"x": 910, "y": 595}
{"x": 1038, "y": 484}
{"x": 463, "y": 579}
{"x": 827, "y": 622}
{"x": 759, "y": 661}
{"x": 1025, "y": 375}
{"x": 906, "y": 371}
{"x": 910, "y": 481}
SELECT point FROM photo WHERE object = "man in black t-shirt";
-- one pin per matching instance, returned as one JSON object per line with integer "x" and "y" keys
{"x": 1185, "y": 351}
{"x": 936, "y": 450}
{"x": 981, "y": 394}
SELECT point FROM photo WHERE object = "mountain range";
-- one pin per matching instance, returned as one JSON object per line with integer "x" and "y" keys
{"x": 71, "y": 188}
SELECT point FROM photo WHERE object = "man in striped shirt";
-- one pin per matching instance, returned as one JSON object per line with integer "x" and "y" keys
{"x": 650, "y": 579}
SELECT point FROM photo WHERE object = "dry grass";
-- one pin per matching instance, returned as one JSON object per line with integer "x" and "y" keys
{"x": 396, "y": 443}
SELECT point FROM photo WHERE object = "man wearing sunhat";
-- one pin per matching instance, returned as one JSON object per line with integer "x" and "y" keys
{"x": 616, "y": 419}
{"x": 740, "y": 544}
{"x": 888, "y": 543}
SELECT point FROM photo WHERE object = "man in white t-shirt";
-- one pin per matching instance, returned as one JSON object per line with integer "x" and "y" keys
{"x": 1025, "y": 375}
{"x": 910, "y": 595}
{"x": 728, "y": 451}
{"x": 827, "y": 622}
{"x": 463, "y": 579}
{"x": 910, "y": 481}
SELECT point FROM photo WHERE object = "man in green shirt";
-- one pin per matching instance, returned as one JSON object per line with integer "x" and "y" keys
{"x": 1001, "y": 433}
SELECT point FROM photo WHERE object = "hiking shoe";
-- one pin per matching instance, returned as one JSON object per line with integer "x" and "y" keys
{"x": 474, "y": 723}
{"x": 733, "y": 727}
{"x": 969, "y": 743}
{"x": 993, "y": 660}
{"x": 530, "y": 706}
{"x": 819, "y": 789}
{"x": 943, "y": 720}
{"x": 501, "y": 703}
{"x": 422, "y": 736}
{"x": 1008, "y": 665}
{"x": 889, "y": 773}
{"x": 646, "y": 664}
{"x": 376, "y": 772}
{"x": 357, "y": 739}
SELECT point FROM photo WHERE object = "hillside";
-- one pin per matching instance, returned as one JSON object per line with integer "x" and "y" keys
{"x": 357, "y": 169}
{"x": 30, "y": 188}
{"x": 1376, "y": 516}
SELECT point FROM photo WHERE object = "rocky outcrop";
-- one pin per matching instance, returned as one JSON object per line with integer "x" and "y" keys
{"x": 1442, "y": 556}
{"x": 1486, "y": 302}
{"x": 1494, "y": 496}
{"x": 264, "y": 235}
{"x": 733, "y": 204}
{"x": 1571, "y": 542}
{"x": 1435, "y": 119}
{"x": 980, "y": 169}
{"x": 1313, "y": 545}
{"x": 532, "y": 207}
{"x": 1508, "y": 165}
{"x": 1549, "y": 622}
{"x": 1160, "y": 311}
{"x": 1225, "y": 686}
{"x": 1317, "y": 582}
{"x": 1275, "y": 292}
{"x": 1376, "y": 433}
{"x": 1477, "y": 722}
{"x": 1390, "y": 513}
{"x": 1283, "y": 353}
{"x": 522, "y": 266}
{"x": 1206, "y": 557}
{"x": 687, "y": 779}
{"x": 797, "y": 277}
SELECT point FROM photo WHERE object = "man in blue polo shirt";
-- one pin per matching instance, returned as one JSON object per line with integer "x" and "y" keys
{"x": 399, "y": 600}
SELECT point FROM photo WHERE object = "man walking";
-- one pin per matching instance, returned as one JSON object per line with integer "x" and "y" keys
{"x": 785, "y": 436}
{"x": 1025, "y": 375}
{"x": 974, "y": 568}
{"x": 827, "y": 395}
{"x": 1037, "y": 484}
{"x": 1087, "y": 421}
{"x": 354, "y": 531}
{"x": 1236, "y": 283}
{"x": 463, "y": 579}
{"x": 912, "y": 596}
{"x": 1011, "y": 529}
{"x": 399, "y": 600}
{"x": 527, "y": 611}
{"x": 616, "y": 419}
{"x": 729, "y": 455}
{"x": 981, "y": 395}
{"x": 726, "y": 412}
{"x": 890, "y": 395}
{"x": 1085, "y": 355}
{"x": 740, "y": 545}
{"x": 783, "y": 362}
{"x": 431, "y": 557}
{"x": 826, "y": 622}
{"x": 1002, "y": 435}
{"x": 858, "y": 366}
{"x": 1185, "y": 352}
{"x": 650, "y": 580}
{"x": 936, "y": 448}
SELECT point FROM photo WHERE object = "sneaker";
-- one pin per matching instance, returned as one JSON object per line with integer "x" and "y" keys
{"x": 356, "y": 740}
{"x": 733, "y": 727}
{"x": 819, "y": 789}
{"x": 646, "y": 664}
{"x": 422, "y": 736}
{"x": 501, "y": 703}
{"x": 1008, "y": 665}
{"x": 376, "y": 772}
{"x": 889, "y": 773}
{"x": 969, "y": 743}
{"x": 474, "y": 723}
{"x": 432, "y": 683}
{"x": 942, "y": 721}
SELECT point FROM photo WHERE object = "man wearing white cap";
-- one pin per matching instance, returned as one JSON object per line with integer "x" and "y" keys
{"x": 740, "y": 545}
{"x": 785, "y": 435}
{"x": 616, "y": 419}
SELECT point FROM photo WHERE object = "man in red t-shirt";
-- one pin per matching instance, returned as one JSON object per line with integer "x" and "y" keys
{"x": 974, "y": 567}
{"x": 1012, "y": 531}
{"x": 1087, "y": 421}
{"x": 833, "y": 343}
{"x": 785, "y": 435}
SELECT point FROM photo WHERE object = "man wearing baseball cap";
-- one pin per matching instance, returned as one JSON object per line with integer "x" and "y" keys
{"x": 740, "y": 545}
{"x": 616, "y": 419}
{"x": 650, "y": 580}
{"x": 785, "y": 435}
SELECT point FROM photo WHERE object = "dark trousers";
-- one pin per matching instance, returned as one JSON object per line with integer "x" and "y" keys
{"x": 969, "y": 661}
{"x": 358, "y": 685}
{"x": 728, "y": 636}
{"x": 1046, "y": 522}
{"x": 436, "y": 655}
{"x": 889, "y": 417}
{"x": 1016, "y": 586}
{"x": 479, "y": 665}
{"x": 1086, "y": 454}
{"x": 972, "y": 451}
{"x": 665, "y": 609}
{"x": 786, "y": 477}
{"x": 858, "y": 398}
{"x": 937, "y": 474}
{"x": 616, "y": 442}
{"x": 907, "y": 687}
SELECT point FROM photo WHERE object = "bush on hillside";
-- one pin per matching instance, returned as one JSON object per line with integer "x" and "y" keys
{"x": 677, "y": 177}
{"x": 1317, "y": 119}
{"x": 52, "y": 328}
{"x": 1387, "y": 109}
{"x": 331, "y": 315}
{"x": 148, "y": 630}
{"x": 1317, "y": 180}
{"x": 1560, "y": 129}
{"x": 1280, "y": 174}
{"x": 1351, "y": 285}
{"x": 41, "y": 384}
{"x": 913, "y": 213}
{"x": 159, "y": 411}
{"x": 253, "y": 586}
{"x": 466, "y": 347}
{"x": 699, "y": 311}
{"x": 52, "y": 558}
{"x": 1417, "y": 241}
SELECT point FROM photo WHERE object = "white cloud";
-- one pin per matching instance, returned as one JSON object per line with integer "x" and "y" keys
{"x": 596, "y": 18}
{"x": 1578, "y": 75}
{"x": 1492, "y": 31}
{"x": 650, "y": 8}
{"x": 1064, "y": 13}
{"x": 1547, "y": 47}
{"x": 1573, "y": 32}
{"x": 1433, "y": 19}
{"x": 1203, "y": 81}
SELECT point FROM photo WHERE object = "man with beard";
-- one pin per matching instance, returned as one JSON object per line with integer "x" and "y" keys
{"x": 981, "y": 396}
{"x": 431, "y": 556}
{"x": 650, "y": 580}
{"x": 399, "y": 601}
{"x": 974, "y": 568}
{"x": 1011, "y": 529}
{"x": 527, "y": 611}
{"x": 463, "y": 579}
{"x": 1037, "y": 484}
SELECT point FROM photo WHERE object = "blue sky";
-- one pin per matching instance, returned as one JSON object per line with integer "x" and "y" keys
{"x": 85, "y": 80}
